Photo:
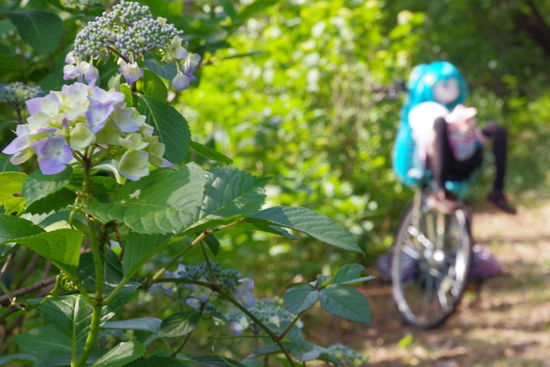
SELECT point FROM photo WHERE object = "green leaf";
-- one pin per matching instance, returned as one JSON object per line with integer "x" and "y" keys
{"x": 114, "y": 82}
{"x": 121, "y": 354}
{"x": 309, "y": 222}
{"x": 140, "y": 246}
{"x": 42, "y": 30}
{"x": 154, "y": 87}
{"x": 65, "y": 359}
{"x": 6, "y": 165}
{"x": 44, "y": 193}
{"x": 228, "y": 7}
{"x": 17, "y": 357}
{"x": 210, "y": 153}
{"x": 307, "y": 351}
{"x": 255, "y": 7}
{"x": 112, "y": 271}
{"x": 300, "y": 298}
{"x": 170, "y": 126}
{"x": 12, "y": 228}
{"x": 179, "y": 324}
{"x": 273, "y": 348}
{"x": 9, "y": 62}
{"x": 61, "y": 247}
{"x": 165, "y": 71}
{"x": 11, "y": 183}
{"x": 212, "y": 243}
{"x": 252, "y": 363}
{"x": 44, "y": 340}
{"x": 215, "y": 361}
{"x": 128, "y": 96}
{"x": 148, "y": 324}
{"x": 156, "y": 361}
{"x": 72, "y": 315}
{"x": 163, "y": 202}
{"x": 348, "y": 272}
{"x": 230, "y": 193}
{"x": 346, "y": 302}
{"x": 267, "y": 228}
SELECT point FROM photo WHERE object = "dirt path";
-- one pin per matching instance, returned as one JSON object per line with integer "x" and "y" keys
{"x": 507, "y": 325}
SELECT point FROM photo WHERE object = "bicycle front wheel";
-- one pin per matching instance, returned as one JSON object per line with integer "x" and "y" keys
{"x": 430, "y": 265}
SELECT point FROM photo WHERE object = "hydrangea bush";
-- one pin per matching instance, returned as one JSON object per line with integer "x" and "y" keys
{"x": 112, "y": 169}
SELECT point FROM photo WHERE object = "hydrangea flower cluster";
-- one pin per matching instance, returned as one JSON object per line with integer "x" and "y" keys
{"x": 344, "y": 353}
{"x": 16, "y": 94}
{"x": 130, "y": 31}
{"x": 227, "y": 280}
{"x": 80, "y": 4}
{"x": 266, "y": 310}
{"x": 82, "y": 118}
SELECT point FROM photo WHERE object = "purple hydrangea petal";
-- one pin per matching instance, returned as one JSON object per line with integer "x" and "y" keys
{"x": 98, "y": 114}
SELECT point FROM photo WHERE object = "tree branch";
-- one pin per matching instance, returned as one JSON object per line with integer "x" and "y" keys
{"x": 41, "y": 284}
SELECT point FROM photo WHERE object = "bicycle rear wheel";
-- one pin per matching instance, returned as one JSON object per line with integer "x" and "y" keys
{"x": 430, "y": 265}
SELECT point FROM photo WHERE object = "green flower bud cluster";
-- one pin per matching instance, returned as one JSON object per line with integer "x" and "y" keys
{"x": 129, "y": 29}
{"x": 80, "y": 4}
{"x": 347, "y": 355}
{"x": 16, "y": 94}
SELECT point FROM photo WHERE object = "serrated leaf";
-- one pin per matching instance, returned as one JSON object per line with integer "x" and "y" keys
{"x": 252, "y": 363}
{"x": 11, "y": 184}
{"x": 112, "y": 275}
{"x": 169, "y": 125}
{"x": 12, "y": 228}
{"x": 61, "y": 247}
{"x": 140, "y": 246}
{"x": 346, "y": 302}
{"x": 44, "y": 340}
{"x": 230, "y": 193}
{"x": 215, "y": 361}
{"x": 267, "y": 228}
{"x": 157, "y": 361}
{"x": 179, "y": 324}
{"x": 44, "y": 193}
{"x": 348, "y": 272}
{"x": 42, "y": 30}
{"x": 148, "y": 324}
{"x": 121, "y": 354}
{"x": 163, "y": 202}
{"x": 310, "y": 351}
{"x": 357, "y": 280}
{"x": 309, "y": 222}
{"x": 210, "y": 153}
{"x": 300, "y": 298}
{"x": 154, "y": 87}
{"x": 72, "y": 315}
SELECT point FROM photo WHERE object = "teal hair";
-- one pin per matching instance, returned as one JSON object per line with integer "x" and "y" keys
{"x": 421, "y": 80}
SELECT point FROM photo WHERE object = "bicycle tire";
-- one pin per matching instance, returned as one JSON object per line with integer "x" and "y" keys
{"x": 402, "y": 273}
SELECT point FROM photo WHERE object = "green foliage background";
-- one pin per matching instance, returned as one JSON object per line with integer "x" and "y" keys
{"x": 286, "y": 92}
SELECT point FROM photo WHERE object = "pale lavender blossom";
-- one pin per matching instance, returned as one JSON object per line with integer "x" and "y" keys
{"x": 98, "y": 114}
{"x": 53, "y": 154}
{"x": 49, "y": 105}
{"x": 185, "y": 77}
{"x": 131, "y": 72}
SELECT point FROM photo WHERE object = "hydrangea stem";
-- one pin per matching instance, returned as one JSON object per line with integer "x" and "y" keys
{"x": 231, "y": 299}
{"x": 208, "y": 264}
{"x": 98, "y": 264}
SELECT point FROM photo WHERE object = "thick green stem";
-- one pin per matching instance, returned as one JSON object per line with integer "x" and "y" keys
{"x": 181, "y": 345}
{"x": 230, "y": 298}
{"x": 98, "y": 265}
{"x": 92, "y": 336}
